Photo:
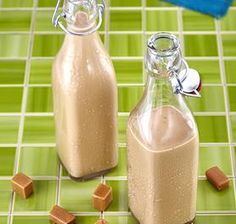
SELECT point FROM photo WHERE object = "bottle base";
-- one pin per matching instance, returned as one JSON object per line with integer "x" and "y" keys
{"x": 189, "y": 222}
{"x": 89, "y": 176}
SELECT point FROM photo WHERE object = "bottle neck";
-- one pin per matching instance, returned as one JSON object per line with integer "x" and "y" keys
{"x": 163, "y": 60}
{"x": 83, "y": 17}
{"x": 82, "y": 23}
{"x": 159, "y": 90}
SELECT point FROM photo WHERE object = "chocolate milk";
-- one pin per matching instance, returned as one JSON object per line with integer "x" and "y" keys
{"x": 85, "y": 104}
{"x": 162, "y": 167}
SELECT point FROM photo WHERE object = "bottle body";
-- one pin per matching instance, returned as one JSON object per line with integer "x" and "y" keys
{"x": 85, "y": 106}
{"x": 163, "y": 144}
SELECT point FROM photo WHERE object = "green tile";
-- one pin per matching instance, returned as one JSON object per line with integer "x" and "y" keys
{"x": 121, "y": 168}
{"x": 208, "y": 70}
{"x": 161, "y": 21}
{"x": 39, "y": 99}
{"x": 121, "y": 219}
{"x": 228, "y": 22}
{"x": 158, "y": 3}
{"x": 47, "y": 45}
{"x": 14, "y": 45}
{"x": 87, "y": 219}
{"x": 9, "y": 129}
{"x": 128, "y": 97}
{"x": 210, "y": 199}
{"x": 129, "y": 71}
{"x": 3, "y": 219}
{"x": 212, "y": 128}
{"x": 130, "y": 3}
{"x": 215, "y": 156}
{"x": 42, "y": 199}
{"x": 216, "y": 219}
{"x": 15, "y": 20}
{"x": 16, "y": 3}
{"x": 125, "y": 20}
{"x": 5, "y": 195}
{"x": 46, "y": 3}
{"x": 120, "y": 195}
{"x": 122, "y": 124}
{"x": 232, "y": 97}
{"x": 194, "y": 21}
{"x": 198, "y": 45}
{"x": 77, "y": 196}
{"x": 211, "y": 100}
{"x": 229, "y": 45}
{"x": 7, "y": 154}
{"x": 43, "y": 20}
{"x": 233, "y": 122}
{"x": 39, "y": 130}
{"x": 230, "y": 71}
{"x": 126, "y": 45}
{"x": 64, "y": 172}
{"x": 12, "y": 72}
{"x": 10, "y": 99}
{"x": 30, "y": 220}
{"x": 38, "y": 161}
{"x": 40, "y": 72}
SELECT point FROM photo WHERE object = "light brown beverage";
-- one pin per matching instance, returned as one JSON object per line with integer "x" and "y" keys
{"x": 162, "y": 171}
{"x": 85, "y": 104}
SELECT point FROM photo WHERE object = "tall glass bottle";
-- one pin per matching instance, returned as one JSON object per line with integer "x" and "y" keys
{"x": 85, "y": 93}
{"x": 163, "y": 142}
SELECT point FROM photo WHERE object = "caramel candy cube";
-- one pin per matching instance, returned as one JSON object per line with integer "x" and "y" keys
{"x": 217, "y": 178}
{"x": 22, "y": 185}
{"x": 101, "y": 221}
{"x": 102, "y": 197}
{"x": 59, "y": 215}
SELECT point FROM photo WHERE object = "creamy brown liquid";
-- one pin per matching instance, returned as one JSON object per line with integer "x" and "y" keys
{"x": 162, "y": 172}
{"x": 85, "y": 106}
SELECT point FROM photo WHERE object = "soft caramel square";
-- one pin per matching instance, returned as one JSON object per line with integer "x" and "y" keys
{"x": 22, "y": 185}
{"x": 102, "y": 197}
{"x": 217, "y": 178}
{"x": 59, "y": 215}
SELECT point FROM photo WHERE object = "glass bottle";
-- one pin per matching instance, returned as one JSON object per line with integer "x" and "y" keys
{"x": 163, "y": 141}
{"x": 84, "y": 93}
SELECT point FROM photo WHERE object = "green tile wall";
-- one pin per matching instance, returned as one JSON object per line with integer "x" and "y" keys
{"x": 194, "y": 21}
{"x": 28, "y": 44}
{"x": 12, "y": 71}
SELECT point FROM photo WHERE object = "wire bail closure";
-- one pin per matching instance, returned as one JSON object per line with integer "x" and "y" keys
{"x": 187, "y": 82}
{"x": 56, "y": 20}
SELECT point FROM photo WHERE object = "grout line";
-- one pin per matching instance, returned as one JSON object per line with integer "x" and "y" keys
{"x": 119, "y": 213}
{"x": 137, "y": 58}
{"x": 180, "y": 29}
{"x": 102, "y": 179}
{"x": 144, "y": 36}
{"x": 172, "y": 8}
{"x": 51, "y": 114}
{"x": 120, "y": 145}
{"x": 58, "y": 188}
{"x": 125, "y": 32}
{"x": 107, "y": 46}
{"x": 23, "y": 108}
{"x": 226, "y": 99}
{"x": 107, "y": 25}
{"x": 127, "y": 58}
{"x": 119, "y": 85}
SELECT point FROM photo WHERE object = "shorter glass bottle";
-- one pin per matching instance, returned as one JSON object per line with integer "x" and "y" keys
{"x": 163, "y": 142}
{"x": 84, "y": 93}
